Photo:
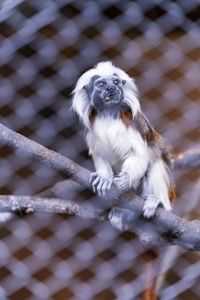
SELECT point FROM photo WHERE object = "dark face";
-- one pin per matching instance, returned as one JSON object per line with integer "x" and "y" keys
{"x": 105, "y": 92}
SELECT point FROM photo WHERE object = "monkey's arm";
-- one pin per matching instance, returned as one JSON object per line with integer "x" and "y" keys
{"x": 101, "y": 180}
{"x": 133, "y": 169}
{"x": 135, "y": 163}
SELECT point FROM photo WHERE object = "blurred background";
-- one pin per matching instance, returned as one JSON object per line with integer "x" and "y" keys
{"x": 44, "y": 47}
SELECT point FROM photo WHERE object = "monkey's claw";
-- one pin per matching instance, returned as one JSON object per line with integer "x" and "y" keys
{"x": 150, "y": 205}
{"x": 100, "y": 184}
{"x": 123, "y": 181}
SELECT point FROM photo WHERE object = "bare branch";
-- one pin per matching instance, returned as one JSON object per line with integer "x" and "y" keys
{"x": 190, "y": 159}
{"x": 164, "y": 229}
{"x": 65, "y": 189}
{"x": 38, "y": 152}
{"x": 30, "y": 204}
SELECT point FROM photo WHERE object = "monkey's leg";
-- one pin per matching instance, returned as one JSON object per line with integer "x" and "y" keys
{"x": 156, "y": 190}
{"x": 133, "y": 168}
{"x": 150, "y": 205}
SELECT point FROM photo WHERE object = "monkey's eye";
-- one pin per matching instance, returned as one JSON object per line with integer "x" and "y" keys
{"x": 116, "y": 82}
{"x": 101, "y": 84}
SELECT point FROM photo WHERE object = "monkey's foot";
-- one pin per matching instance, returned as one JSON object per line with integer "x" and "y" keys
{"x": 123, "y": 181}
{"x": 150, "y": 205}
{"x": 122, "y": 218}
{"x": 100, "y": 184}
{"x": 115, "y": 218}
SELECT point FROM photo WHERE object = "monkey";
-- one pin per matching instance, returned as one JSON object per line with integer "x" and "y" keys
{"x": 125, "y": 148}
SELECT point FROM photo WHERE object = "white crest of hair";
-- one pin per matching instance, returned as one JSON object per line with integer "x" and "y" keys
{"x": 104, "y": 69}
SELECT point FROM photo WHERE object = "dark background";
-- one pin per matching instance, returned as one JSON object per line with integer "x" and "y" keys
{"x": 44, "y": 47}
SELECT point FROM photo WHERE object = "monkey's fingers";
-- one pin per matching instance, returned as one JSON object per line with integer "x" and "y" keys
{"x": 123, "y": 181}
{"x": 106, "y": 186}
{"x": 96, "y": 183}
{"x": 100, "y": 184}
{"x": 92, "y": 177}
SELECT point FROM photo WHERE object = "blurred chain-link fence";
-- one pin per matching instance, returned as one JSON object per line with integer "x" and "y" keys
{"x": 44, "y": 47}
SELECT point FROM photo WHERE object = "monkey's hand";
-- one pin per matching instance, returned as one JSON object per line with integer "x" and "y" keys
{"x": 123, "y": 181}
{"x": 100, "y": 184}
{"x": 150, "y": 205}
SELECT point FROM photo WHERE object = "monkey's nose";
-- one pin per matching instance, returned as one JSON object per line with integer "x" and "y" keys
{"x": 111, "y": 88}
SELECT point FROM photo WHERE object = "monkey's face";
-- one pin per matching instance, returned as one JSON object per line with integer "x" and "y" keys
{"x": 105, "y": 92}
{"x": 108, "y": 91}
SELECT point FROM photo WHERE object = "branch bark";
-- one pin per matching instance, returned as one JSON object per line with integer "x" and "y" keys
{"x": 64, "y": 189}
{"x": 190, "y": 159}
{"x": 30, "y": 204}
{"x": 172, "y": 229}
{"x": 27, "y": 147}
{"x": 164, "y": 229}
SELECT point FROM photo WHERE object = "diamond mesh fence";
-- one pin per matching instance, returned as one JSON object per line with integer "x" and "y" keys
{"x": 44, "y": 47}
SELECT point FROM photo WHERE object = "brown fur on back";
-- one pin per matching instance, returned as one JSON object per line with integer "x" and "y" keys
{"x": 153, "y": 138}
{"x": 158, "y": 145}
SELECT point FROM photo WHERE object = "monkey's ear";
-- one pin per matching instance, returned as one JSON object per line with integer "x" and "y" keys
{"x": 123, "y": 82}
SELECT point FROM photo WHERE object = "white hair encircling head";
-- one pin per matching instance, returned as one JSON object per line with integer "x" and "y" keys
{"x": 81, "y": 104}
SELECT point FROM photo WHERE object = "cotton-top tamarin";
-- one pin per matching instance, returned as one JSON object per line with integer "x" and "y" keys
{"x": 124, "y": 146}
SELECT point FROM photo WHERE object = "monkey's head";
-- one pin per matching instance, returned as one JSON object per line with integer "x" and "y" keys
{"x": 103, "y": 87}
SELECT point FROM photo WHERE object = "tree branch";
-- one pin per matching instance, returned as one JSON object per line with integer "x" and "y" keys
{"x": 30, "y": 204}
{"x": 187, "y": 160}
{"x": 38, "y": 152}
{"x": 165, "y": 228}
{"x": 175, "y": 231}
{"x": 190, "y": 159}
{"x": 64, "y": 189}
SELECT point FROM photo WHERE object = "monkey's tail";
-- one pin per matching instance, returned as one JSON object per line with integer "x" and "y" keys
{"x": 150, "y": 263}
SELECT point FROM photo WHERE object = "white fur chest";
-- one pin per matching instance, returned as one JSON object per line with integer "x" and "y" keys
{"x": 109, "y": 138}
